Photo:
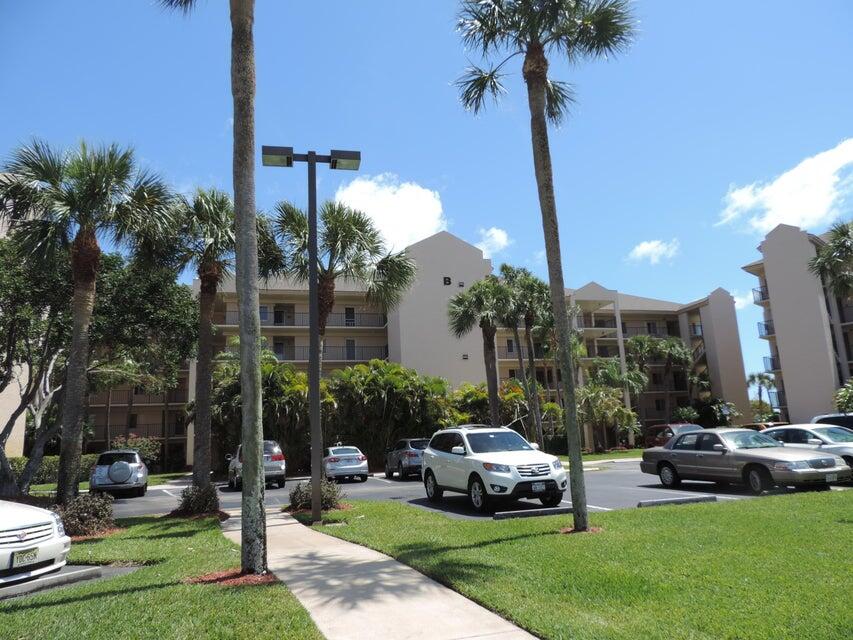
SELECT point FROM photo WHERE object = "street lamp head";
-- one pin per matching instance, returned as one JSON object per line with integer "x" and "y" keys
{"x": 277, "y": 156}
{"x": 350, "y": 160}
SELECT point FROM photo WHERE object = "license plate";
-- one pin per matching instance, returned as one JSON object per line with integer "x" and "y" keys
{"x": 538, "y": 487}
{"x": 831, "y": 477}
{"x": 25, "y": 557}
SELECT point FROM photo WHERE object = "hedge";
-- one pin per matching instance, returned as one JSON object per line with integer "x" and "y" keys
{"x": 49, "y": 470}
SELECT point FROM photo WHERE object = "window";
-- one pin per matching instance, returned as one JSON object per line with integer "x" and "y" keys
{"x": 687, "y": 441}
{"x": 837, "y": 420}
{"x": 271, "y": 448}
{"x": 264, "y": 312}
{"x": 510, "y": 345}
{"x": 349, "y": 316}
{"x": 106, "y": 459}
{"x": 494, "y": 441}
{"x": 344, "y": 451}
{"x": 656, "y": 378}
{"x": 455, "y": 440}
{"x": 798, "y": 436}
{"x": 512, "y": 373}
{"x": 419, "y": 444}
{"x": 439, "y": 442}
{"x": 707, "y": 441}
{"x": 660, "y": 404}
{"x": 350, "y": 349}
{"x": 780, "y": 435}
{"x": 835, "y": 434}
{"x": 652, "y": 328}
{"x": 401, "y": 444}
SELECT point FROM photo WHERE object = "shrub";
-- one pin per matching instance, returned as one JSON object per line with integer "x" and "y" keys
{"x": 196, "y": 500}
{"x": 685, "y": 414}
{"x": 148, "y": 448}
{"x": 49, "y": 469}
{"x": 87, "y": 514}
{"x": 331, "y": 496}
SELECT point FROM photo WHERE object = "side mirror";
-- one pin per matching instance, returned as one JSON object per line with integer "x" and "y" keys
{"x": 720, "y": 447}
{"x": 815, "y": 441}
{"x": 458, "y": 451}
{"x": 534, "y": 445}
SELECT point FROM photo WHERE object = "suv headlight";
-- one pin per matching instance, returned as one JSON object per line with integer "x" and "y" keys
{"x": 790, "y": 466}
{"x": 499, "y": 468}
{"x": 60, "y": 528}
{"x": 557, "y": 464}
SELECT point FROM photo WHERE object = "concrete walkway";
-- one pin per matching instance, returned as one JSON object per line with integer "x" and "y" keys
{"x": 354, "y": 593}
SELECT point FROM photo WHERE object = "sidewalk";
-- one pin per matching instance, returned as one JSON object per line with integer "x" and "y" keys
{"x": 354, "y": 593}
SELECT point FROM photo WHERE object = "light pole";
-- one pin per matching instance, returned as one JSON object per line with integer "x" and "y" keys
{"x": 349, "y": 160}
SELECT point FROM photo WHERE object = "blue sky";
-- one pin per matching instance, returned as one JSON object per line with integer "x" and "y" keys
{"x": 724, "y": 110}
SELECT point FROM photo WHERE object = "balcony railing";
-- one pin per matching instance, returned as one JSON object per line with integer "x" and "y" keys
{"x": 122, "y": 397}
{"x": 659, "y": 332}
{"x": 596, "y": 323}
{"x": 153, "y": 430}
{"x": 766, "y": 329}
{"x": 505, "y": 353}
{"x": 759, "y": 295}
{"x": 771, "y": 363}
{"x": 777, "y": 399}
{"x": 300, "y": 353}
{"x": 696, "y": 330}
{"x": 273, "y": 319}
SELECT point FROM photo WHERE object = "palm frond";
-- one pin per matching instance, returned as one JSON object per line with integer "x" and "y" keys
{"x": 482, "y": 23}
{"x": 291, "y": 228}
{"x": 476, "y": 84}
{"x": 184, "y": 6}
{"x": 605, "y": 27}
{"x": 559, "y": 97}
{"x": 390, "y": 278}
{"x": 833, "y": 263}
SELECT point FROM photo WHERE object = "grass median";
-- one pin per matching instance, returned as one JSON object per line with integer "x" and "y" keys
{"x": 153, "y": 480}
{"x": 153, "y": 601}
{"x": 772, "y": 568}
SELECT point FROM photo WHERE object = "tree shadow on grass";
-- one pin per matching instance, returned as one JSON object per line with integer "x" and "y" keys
{"x": 103, "y": 593}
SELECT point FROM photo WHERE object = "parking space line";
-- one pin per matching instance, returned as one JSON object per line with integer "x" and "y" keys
{"x": 382, "y": 480}
{"x": 170, "y": 493}
{"x": 589, "y": 506}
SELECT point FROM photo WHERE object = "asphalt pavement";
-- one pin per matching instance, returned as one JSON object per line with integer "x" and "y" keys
{"x": 613, "y": 485}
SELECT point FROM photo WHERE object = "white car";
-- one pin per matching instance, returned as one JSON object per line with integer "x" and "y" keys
{"x": 275, "y": 466}
{"x": 488, "y": 463}
{"x": 345, "y": 462}
{"x": 119, "y": 470}
{"x": 32, "y": 542}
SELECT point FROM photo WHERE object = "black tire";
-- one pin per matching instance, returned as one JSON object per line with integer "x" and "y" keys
{"x": 434, "y": 493}
{"x": 757, "y": 479}
{"x": 231, "y": 483}
{"x": 668, "y": 475}
{"x": 143, "y": 490}
{"x": 551, "y": 500}
{"x": 477, "y": 494}
{"x": 281, "y": 482}
{"x": 388, "y": 472}
{"x": 722, "y": 484}
{"x": 400, "y": 473}
{"x": 363, "y": 478}
{"x": 823, "y": 486}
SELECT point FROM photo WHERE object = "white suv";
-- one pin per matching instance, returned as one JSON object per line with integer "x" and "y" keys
{"x": 487, "y": 463}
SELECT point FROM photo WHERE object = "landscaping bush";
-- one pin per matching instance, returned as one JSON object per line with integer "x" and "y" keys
{"x": 49, "y": 469}
{"x": 196, "y": 500}
{"x": 148, "y": 448}
{"x": 331, "y": 496}
{"x": 87, "y": 514}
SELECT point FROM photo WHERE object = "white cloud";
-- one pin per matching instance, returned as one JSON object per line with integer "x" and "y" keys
{"x": 404, "y": 212}
{"x": 811, "y": 195}
{"x": 654, "y": 251}
{"x": 742, "y": 300}
{"x": 493, "y": 240}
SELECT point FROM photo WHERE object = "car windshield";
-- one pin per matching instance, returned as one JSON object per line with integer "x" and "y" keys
{"x": 418, "y": 444}
{"x": 838, "y": 421}
{"x": 497, "y": 441}
{"x": 835, "y": 434}
{"x": 345, "y": 451}
{"x": 749, "y": 440}
{"x": 271, "y": 447}
{"x": 109, "y": 458}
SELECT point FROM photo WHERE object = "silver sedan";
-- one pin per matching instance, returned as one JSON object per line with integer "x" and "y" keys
{"x": 824, "y": 438}
{"x": 345, "y": 462}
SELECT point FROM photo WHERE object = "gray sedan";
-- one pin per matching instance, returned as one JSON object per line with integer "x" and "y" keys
{"x": 741, "y": 456}
{"x": 405, "y": 457}
{"x": 824, "y": 438}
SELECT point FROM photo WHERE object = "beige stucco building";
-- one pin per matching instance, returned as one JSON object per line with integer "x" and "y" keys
{"x": 806, "y": 327}
{"x": 416, "y": 335}
{"x": 9, "y": 401}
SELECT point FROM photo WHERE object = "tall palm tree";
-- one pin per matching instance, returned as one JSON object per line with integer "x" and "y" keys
{"x": 482, "y": 305}
{"x": 833, "y": 262}
{"x": 608, "y": 372}
{"x": 641, "y": 350}
{"x": 535, "y": 29}
{"x": 350, "y": 248}
{"x": 254, "y": 539}
{"x": 68, "y": 199}
{"x": 762, "y": 381}
{"x": 674, "y": 354}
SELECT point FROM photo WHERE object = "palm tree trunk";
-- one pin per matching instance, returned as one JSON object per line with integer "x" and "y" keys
{"x": 253, "y": 522}
{"x": 491, "y": 375}
{"x": 204, "y": 382}
{"x": 534, "y": 388}
{"x": 164, "y": 464}
{"x": 107, "y": 433}
{"x": 130, "y": 398}
{"x": 85, "y": 258}
{"x": 535, "y": 71}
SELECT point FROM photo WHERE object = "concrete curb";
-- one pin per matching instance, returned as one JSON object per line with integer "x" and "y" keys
{"x": 78, "y": 574}
{"x": 664, "y": 501}
{"x": 531, "y": 513}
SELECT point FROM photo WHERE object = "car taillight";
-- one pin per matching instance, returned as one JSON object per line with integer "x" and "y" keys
{"x": 411, "y": 454}
{"x": 277, "y": 457}
{"x": 362, "y": 458}
{"x": 334, "y": 459}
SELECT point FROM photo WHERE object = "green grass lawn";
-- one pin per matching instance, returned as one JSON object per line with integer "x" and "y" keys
{"x": 153, "y": 479}
{"x": 152, "y": 602}
{"x": 772, "y": 568}
{"x": 613, "y": 455}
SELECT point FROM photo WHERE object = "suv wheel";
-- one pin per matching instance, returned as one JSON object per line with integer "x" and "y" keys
{"x": 281, "y": 482}
{"x": 388, "y": 472}
{"x": 551, "y": 500}
{"x": 668, "y": 475}
{"x": 400, "y": 471}
{"x": 477, "y": 495}
{"x": 433, "y": 491}
{"x": 758, "y": 480}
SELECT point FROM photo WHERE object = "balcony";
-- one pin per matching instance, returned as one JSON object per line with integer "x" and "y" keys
{"x": 154, "y": 430}
{"x": 504, "y": 353}
{"x": 122, "y": 397}
{"x": 777, "y": 399}
{"x": 695, "y": 330}
{"x": 766, "y": 329}
{"x": 658, "y": 332}
{"x": 759, "y": 295}
{"x": 300, "y": 353}
{"x": 597, "y": 323}
{"x": 301, "y": 319}
{"x": 771, "y": 363}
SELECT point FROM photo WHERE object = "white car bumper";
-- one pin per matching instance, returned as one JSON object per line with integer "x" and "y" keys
{"x": 51, "y": 555}
{"x": 515, "y": 485}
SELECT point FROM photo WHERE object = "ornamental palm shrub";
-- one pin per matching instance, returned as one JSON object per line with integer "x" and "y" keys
{"x": 330, "y": 496}
{"x": 197, "y": 500}
{"x": 685, "y": 414}
{"x": 844, "y": 398}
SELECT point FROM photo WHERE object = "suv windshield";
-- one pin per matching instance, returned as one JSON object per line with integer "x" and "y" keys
{"x": 418, "y": 444}
{"x": 497, "y": 441}
{"x": 109, "y": 458}
{"x": 749, "y": 440}
{"x": 835, "y": 434}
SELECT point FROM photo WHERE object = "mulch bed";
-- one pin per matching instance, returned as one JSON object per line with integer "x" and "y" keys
{"x": 233, "y": 578}
{"x": 572, "y": 530}
{"x": 344, "y": 506}
{"x": 220, "y": 515}
{"x": 98, "y": 535}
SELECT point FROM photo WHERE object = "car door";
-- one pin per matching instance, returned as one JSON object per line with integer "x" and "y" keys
{"x": 683, "y": 454}
{"x": 394, "y": 454}
{"x": 456, "y": 473}
{"x": 438, "y": 457}
{"x": 800, "y": 438}
{"x": 714, "y": 465}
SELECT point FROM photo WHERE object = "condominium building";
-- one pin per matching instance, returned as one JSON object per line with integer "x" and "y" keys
{"x": 416, "y": 334}
{"x": 808, "y": 330}
{"x": 9, "y": 401}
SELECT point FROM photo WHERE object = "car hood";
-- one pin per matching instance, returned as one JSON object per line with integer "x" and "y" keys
{"x": 840, "y": 449}
{"x": 515, "y": 457}
{"x": 785, "y": 454}
{"x": 14, "y": 515}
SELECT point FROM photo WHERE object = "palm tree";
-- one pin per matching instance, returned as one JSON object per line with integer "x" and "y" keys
{"x": 482, "y": 305}
{"x": 350, "y": 248}
{"x": 254, "y": 539}
{"x": 641, "y": 350}
{"x": 674, "y": 354}
{"x": 602, "y": 407}
{"x": 762, "y": 381}
{"x": 607, "y": 372}
{"x": 534, "y": 29}
{"x": 68, "y": 200}
{"x": 833, "y": 262}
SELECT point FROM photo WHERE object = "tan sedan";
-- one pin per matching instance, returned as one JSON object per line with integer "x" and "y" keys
{"x": 741, "y": 456}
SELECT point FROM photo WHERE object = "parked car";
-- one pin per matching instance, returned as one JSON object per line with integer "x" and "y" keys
{"x": 823, "y": 437}
{"x": 275, "y": 466}
{"x": 490, "y": 463}
{"x": 343, "y": 462}
{"x": 741, "y": 456}
{"x": 658, "y": 435}
{"x": 119, "y": 470}
{"x": 32, "y": 542}
{"x": 761, "y": 426}
{"x": 405, "y": 457}
{"x": 838, "y": 419}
